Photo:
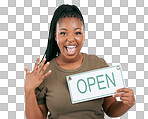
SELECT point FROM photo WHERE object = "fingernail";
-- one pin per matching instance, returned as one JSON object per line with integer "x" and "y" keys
{"x": 48, "y": 62}
{"x": 37, "y": 58}
{"x": 50, "y": 71}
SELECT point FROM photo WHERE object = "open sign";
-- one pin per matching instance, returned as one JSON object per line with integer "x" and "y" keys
{"x": 95, "y": 83}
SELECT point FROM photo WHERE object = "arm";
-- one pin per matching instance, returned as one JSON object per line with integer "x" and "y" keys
{"x": 32, "y": 109}
{"x": 44, "y": 110}
{"x": 114, "y": 108}
{"x": 33, "y": 80}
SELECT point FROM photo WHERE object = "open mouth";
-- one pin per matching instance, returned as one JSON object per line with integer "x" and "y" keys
{"x": 70, "y": 49}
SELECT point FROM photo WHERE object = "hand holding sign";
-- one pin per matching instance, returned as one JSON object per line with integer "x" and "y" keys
{"x": 95, "y": 84}
{"x": 127, "y": 96}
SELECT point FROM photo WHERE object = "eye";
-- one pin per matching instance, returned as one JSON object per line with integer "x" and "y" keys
{"x": 77, "y": 33}
{"x": 63, "y": 33}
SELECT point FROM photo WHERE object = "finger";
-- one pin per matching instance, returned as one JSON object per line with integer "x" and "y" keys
{"x": 44, "y": 68}
{"x": 127, "y": 103}
{"x": 27, "y": 70}
{"x": 124, "y": 98}
{"x": 45, "y": 75}
{"x": 123, "y": 90}
{"x": 42, "y": 64}
{"x": 36, "y": 63}
{"x": 121, "y": 95}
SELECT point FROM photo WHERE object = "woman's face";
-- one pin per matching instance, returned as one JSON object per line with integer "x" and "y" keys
{"x": 69, "y": 36}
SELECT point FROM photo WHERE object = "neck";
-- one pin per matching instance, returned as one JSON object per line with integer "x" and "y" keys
{"x": 62, "y": 60}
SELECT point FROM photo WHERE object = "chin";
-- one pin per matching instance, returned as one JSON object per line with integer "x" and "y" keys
{"x": 71, "y": 56}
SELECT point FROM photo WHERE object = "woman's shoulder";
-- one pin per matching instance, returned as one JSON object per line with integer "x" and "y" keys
{"x": 96, "y": 60}
{"x": 93, "y": 57}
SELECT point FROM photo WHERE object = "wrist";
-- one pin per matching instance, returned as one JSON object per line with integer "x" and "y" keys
{"x": 29, "y": 91}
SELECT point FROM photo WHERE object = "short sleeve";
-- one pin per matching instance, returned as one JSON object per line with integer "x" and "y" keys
{"x": 40, "y": 93}
{"x": 103, "y": 63}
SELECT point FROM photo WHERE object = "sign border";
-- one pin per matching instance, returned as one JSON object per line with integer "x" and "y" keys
{"x": 87, "y": 99}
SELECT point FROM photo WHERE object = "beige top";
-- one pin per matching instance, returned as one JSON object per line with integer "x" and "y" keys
{"x": 54, "y": 93}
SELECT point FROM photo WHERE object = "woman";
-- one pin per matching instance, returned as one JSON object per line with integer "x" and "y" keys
{"x": 48, "y": 91}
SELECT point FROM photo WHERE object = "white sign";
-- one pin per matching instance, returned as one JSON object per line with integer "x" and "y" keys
{"x": 95, "y": 83}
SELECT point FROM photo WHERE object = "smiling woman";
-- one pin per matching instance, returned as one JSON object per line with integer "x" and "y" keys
{"x": 69, "y": 37}
{"x": 64, "y": 14}
{"x": 46, "y": 89}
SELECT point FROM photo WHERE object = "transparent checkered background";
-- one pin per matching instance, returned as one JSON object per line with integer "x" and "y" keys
{"x": 116, "y": 30}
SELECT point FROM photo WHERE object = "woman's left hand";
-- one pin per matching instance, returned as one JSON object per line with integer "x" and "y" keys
{"x": 127, "y": 96}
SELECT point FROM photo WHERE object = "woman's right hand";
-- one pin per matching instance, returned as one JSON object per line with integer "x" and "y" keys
{"x": 36, "y": 77}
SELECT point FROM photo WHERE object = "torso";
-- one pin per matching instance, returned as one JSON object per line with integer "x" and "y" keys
{"x": 56, "y": 93}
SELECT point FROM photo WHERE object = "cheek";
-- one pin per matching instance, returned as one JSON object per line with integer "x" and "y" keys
{"x": 60, "y": 42}
{"x": 80, "y": 39}
{"x": 58, "y": 38}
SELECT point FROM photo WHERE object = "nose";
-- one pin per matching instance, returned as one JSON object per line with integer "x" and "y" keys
{"x": 70, "y": 38}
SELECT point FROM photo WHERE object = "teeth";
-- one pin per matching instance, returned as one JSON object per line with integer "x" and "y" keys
{"x": 71, "y": 46}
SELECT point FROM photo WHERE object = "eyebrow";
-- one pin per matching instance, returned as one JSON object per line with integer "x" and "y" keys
{"x": 77, "y": 28}
{"x": 66, "y": 29}
{"x": 63, "y": 29}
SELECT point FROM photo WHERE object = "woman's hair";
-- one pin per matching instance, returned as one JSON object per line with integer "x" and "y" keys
{"x": 62, "y": 11}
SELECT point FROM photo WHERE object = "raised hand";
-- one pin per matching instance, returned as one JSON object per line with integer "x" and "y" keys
{"x": 35, "y": 78}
